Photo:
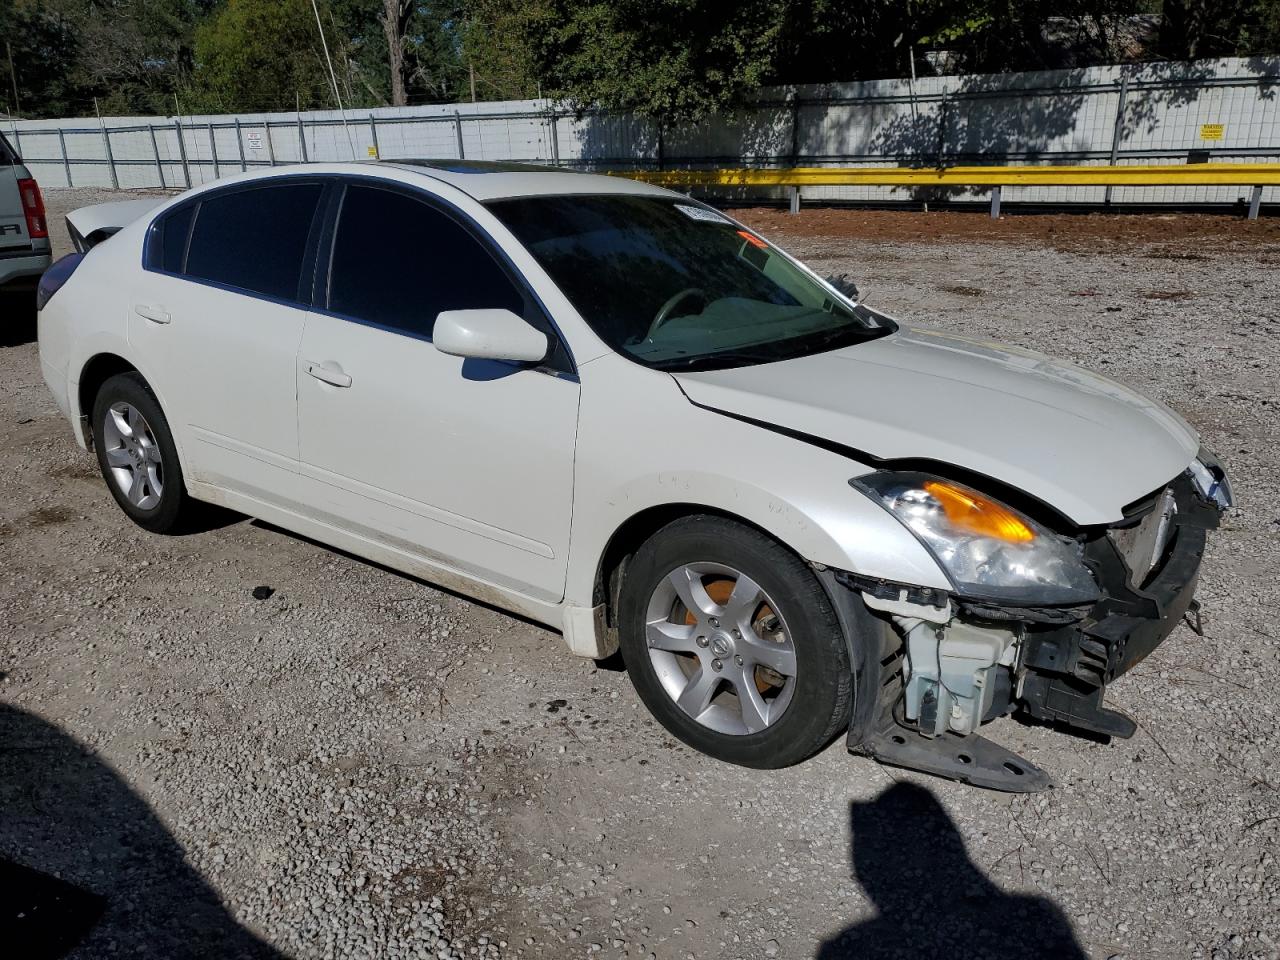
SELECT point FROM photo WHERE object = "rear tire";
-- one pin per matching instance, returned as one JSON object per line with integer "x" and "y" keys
{"x": 137, "y": 455}
{"x": 764, "y": 626}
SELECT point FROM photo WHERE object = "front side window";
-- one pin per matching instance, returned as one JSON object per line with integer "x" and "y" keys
{"x": 398, "y": 262}
{"x": 673, "y": 284}
{"x": 253, "y": 239}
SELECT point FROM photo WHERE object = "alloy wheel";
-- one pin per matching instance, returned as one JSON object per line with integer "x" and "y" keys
{"x": 720, "y": 648}
{"x": 132, "y": 455}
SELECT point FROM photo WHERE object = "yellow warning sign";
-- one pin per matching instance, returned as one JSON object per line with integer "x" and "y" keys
{"x": 1211, "y": 131}
{"x": 373, "y": 151}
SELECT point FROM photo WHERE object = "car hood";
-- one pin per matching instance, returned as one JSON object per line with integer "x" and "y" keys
{"x": 1081, "y": 443}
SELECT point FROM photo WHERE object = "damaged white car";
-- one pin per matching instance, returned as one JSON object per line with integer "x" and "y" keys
{"x": 623, "y": 414}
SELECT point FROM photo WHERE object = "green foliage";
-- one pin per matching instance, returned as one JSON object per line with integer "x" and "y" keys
{"x": 667, "y": 59}
{"x": 45, "y": 45}
{"x": 495, "y": 42}
{"x": 252, "y": 55}
{"x": 672, "y": 60}
{"x": 1196, "y": 29}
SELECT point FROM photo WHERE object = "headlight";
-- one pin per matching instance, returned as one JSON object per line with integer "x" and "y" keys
{"x": 988, "y": 550}
{"x": 1211, "y": 479}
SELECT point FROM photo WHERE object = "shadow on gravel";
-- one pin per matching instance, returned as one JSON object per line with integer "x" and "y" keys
{"x": 85, "y": 865}
{"x": 17, "y": 317}
{"x": 933, "y": 901}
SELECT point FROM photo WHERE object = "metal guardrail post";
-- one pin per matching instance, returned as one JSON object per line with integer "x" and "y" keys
{"x": 111, "y": 160}
{"x": 373, "y": 133}
{"x": 240, "y": 146}
{"x": 555, "y": 137}
{"x": 457, "y": 129}
{"x": 995, "y": 203}
{"x": 793, "y": 195}
{"x": 302, "y": 139}
{"x": 1255, "y": 202}
{"x": 1118, "y": 132}
{"x": 943, "y": 111}
{"x": 182, "y": 152}
{"x": 66, "y": 161}
{"x": 213, "y": 151}
{"x": 795, "y": 129}
{"x": 271, "y": 147}
{"x": 155, "y": 150}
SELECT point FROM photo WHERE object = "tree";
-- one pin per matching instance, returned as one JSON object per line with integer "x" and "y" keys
{"x": 252, "y": 55}
{"x": 43, "y": 46}
{"x": 1196, "y": 29}
{"x": 666, "y": 59}
{"x": 396, "y": 15}
{"x": 496, "y": 45}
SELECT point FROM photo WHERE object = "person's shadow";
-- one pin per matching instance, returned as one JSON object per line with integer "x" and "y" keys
{"x": 932, "y": 900}
{"x": 85, "y": 864}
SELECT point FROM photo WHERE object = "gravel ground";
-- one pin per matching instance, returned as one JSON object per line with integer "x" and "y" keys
{"x": 359, "y": 765}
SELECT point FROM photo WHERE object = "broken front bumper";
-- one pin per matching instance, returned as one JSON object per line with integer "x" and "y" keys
{"x": 1056, "y": 662}
{"x": 1067, "y": 667}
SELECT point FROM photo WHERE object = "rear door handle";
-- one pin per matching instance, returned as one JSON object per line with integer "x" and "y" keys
{"x": 329, "y": 372}
{"x": 153, "y": 312}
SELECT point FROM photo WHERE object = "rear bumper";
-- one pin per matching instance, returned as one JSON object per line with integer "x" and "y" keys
{"x": 23, "y": 271}
{"x": 1067, "y": 668}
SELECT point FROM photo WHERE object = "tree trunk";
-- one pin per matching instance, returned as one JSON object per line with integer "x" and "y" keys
{"x": 395, "y": 20}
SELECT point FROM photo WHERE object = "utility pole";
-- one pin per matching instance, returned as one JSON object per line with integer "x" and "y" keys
{"x": 472, "y": 68}
{"x": 13, "y": 75}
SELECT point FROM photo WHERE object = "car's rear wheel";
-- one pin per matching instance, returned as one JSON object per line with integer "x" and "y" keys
{"x": 732, "y": 643}
{"x": 137, "y": 456}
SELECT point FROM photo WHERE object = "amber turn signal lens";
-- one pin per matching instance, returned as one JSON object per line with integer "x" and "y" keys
{"x": 974, "y": 513}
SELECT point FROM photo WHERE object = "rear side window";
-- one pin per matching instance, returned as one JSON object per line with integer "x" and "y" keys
{"x": 175, "y": 229}
{"x": 254, "y": 239}
{"x": 398, "y": 262}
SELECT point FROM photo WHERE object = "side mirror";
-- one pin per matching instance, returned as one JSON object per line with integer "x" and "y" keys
{"x": 493, "y": 334}
{"x": 846, "y": 285}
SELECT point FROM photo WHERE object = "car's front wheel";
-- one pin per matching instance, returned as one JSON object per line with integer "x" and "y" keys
{"x": 732, "y": 643}
{"x": 137, "y": 455}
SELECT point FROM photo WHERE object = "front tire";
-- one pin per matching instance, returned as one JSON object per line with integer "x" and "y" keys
{"x": 733, "y": 645}
{"x": 137, "y": 455}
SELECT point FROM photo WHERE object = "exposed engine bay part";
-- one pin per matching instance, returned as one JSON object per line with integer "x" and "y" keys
{"x": 902, "y": 607}
{"x": 973, "y": 759}
{"x": 952, "y": 671}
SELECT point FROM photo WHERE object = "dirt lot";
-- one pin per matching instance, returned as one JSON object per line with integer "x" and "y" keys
{"x": 359, "y": 765}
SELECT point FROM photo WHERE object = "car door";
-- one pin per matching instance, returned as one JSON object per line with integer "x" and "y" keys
{"x": 216, "y": 321}
{"x": 467, "y": 464}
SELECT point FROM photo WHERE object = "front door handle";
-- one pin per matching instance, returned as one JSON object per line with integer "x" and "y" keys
{"x": 152, "y": 311}
{"x": 329, "y": 372}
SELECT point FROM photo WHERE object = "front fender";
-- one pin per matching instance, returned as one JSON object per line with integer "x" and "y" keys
{"x": 643, "y": 445}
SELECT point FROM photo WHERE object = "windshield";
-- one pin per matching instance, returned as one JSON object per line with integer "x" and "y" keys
{"x": 676, "y": 285}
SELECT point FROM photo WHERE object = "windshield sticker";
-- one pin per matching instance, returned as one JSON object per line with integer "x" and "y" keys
{"x": 701, "y": 213}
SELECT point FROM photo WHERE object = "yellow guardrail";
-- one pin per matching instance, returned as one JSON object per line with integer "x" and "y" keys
{"x": 1150, "y": 175}
{"x": 1255, "y": 175}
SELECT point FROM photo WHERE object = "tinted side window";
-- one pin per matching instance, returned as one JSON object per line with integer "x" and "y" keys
{"x": 398, "y": 262}
{"x": 254, "y": 239}
{"x": 174, "y": 231}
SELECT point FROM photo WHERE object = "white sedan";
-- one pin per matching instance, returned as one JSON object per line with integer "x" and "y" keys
{"x": 619, "y": 412}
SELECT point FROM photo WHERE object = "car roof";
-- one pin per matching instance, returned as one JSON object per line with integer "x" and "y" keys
{"x": 501, "y": 180}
